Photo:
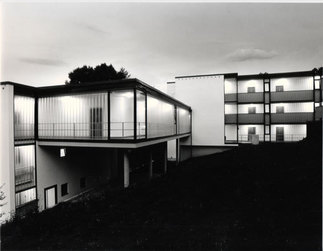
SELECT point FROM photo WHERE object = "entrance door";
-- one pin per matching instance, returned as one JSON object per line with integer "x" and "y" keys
{"x": 50, "y": 196}
{"x": 96, "y": 122}
{"x": 279, "y": 134}
{"x": 251, "y": 131}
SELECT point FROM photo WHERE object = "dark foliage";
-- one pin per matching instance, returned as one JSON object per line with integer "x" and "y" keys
{"x": 265, "y": 197}
{"x": 99, "y": 73}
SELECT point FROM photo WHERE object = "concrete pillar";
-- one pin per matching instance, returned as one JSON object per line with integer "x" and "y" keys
{"x": 150, "y": 164}
{"x": 165, "y": 158}
{"x": 178, "y": 151}
{"x": 126, "y": 170}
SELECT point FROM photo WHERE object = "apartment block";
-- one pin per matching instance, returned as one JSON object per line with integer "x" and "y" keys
{"x": 230, "y": 109}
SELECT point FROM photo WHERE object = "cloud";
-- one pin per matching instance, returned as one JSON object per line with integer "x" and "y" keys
{"x": 251, "y": 54}
{"x": 43, "y": 61}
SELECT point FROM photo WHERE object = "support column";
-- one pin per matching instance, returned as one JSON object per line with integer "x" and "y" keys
{"x": 178, "y": 151}
{"x": 150, "y": 164}
{"x": 165, "y": 158}
{"x": 126, "y": 169}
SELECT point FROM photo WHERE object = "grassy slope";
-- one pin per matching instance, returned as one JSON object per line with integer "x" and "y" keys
{"x": 253, "y": 198}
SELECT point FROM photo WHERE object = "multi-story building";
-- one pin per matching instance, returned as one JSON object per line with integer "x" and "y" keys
{"x": 229, "y": 109}
{"x": 59, "y": 141}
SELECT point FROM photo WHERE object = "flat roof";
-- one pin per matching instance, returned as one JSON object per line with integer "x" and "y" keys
{"x": 109, "y": 85}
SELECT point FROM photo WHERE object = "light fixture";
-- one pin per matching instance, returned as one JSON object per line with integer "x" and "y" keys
{"x": 62, "y": 152}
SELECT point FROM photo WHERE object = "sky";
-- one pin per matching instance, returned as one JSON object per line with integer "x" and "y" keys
{"x": 42, "y": 42}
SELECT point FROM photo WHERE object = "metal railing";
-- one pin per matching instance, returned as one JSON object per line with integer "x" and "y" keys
{"x": 99, "y": 131}
{"x": 24, "y": 131}
{"x": 246, "y": 138}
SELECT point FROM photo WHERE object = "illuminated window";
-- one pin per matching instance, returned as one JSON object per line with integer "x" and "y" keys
{"x": 266, "y": 129}
{"x": 62, "y": 152}
{"x": 25, "y": 196}
{"x": 266, "y": 108}
{"x": 266, "y": 87}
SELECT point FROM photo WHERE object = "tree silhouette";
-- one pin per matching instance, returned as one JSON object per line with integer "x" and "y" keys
{"x": 101, "y": 72}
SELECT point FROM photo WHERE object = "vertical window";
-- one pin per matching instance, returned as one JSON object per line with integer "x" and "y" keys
{"x": 266, "y": 108}
{"x": 251, "y": 89}
{"x": 279, "y": 109}
{"x": 64, "y": 189}
{"x": 266, "y": 129}
{"x": 82, "y": 182}
{"x": 279, "y": 88}
{"x": 317, "y": 84}
{"x": 252, "y": 110}
{"x": 266, "y": 87}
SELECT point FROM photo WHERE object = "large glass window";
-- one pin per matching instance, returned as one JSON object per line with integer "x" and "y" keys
{"x": 24, "y": 167}
{"x": 25, "y": 196}
{"x": 122, "y": 114}
{"x": 160, "y": 118}
{"x": 183, "y": 120}
{"x": 24, "y": 117}
{"x": 80, "y": 116}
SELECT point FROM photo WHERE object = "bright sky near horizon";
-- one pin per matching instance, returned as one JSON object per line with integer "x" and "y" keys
{"x": 43, "y": 42}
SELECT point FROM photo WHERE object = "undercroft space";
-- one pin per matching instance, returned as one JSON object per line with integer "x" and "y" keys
{"x": 265, "y": 197}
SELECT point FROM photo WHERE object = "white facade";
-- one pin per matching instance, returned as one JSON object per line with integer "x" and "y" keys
{"x": 206, "y": 97}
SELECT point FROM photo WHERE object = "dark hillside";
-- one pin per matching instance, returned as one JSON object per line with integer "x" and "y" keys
{"x": 265, "y": 197}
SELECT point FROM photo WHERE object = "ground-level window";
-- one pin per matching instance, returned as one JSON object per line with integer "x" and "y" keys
{"x": 64, "y": 189}
{"x": 25, "y": 196}
{"x": 82, "y": 182}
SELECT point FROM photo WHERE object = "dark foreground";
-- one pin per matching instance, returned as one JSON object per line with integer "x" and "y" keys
{"x": 253, "y": 198}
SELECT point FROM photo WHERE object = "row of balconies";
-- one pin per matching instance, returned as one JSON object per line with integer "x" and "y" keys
{"x": 258, "y": 97}
{"x": 275, "y": 118}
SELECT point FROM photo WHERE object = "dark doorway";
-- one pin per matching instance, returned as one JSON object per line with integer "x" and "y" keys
{"x": 279, "y": 134}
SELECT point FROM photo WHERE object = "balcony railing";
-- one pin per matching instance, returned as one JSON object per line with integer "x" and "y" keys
{"x": 99, "y": 131}
{"x": 230, "y": 118}
{"x": 230, "y": 97}
{"x": 24, "y": 177}
{"x": 287, "y": 137}
{"x": 306, "y": 95}
{"x": 250, "y": 97}
{"x": 24, "y": 131}
{"x": 297, "y": 117}
{"x": 245, "y": 138}
{"x": 256, "y": 118}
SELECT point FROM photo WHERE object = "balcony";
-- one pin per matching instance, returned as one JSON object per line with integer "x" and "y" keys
{"x": 297, "y": 117}
{"x": 256, "y": 97}
{"x": 245, "y": 138}
{"x": 230, "y": 97}
{"x": 306, "y": 95}
{"x": 230, "y": 118}
{"x": 257, "y": 118}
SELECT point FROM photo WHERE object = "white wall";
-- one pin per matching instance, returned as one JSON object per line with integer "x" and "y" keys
{"x": 7, "y": 178}
{"x": 230, "y": 109}
{"x": 294, "y": 107}
{"x": 244, "y": 108}
{"x": 292, "y": 84}
{"x": 205, "y": 95}
{"x": 230, "y": 85}
{"x": 93, "y": 163}
{"x": 244, "y": 84}
{"x": 231, "y": 132}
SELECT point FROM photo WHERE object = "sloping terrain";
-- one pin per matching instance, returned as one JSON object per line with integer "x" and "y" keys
{"x": 266, "y": 197}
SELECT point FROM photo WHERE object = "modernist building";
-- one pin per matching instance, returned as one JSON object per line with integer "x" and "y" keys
{"x": 229, "y": 109}
{"x": 59, "y": 141}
